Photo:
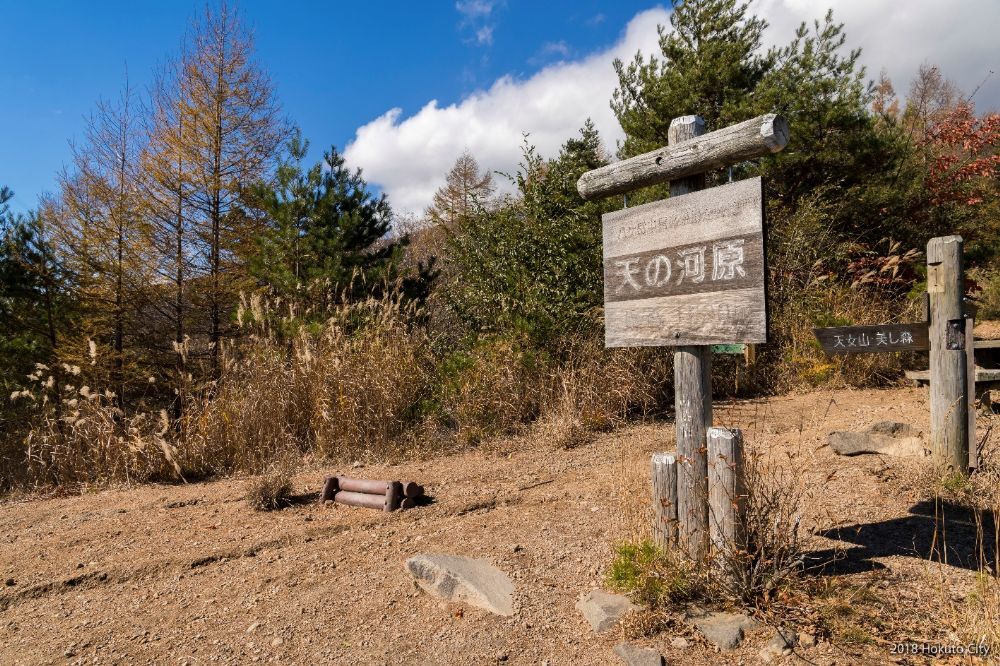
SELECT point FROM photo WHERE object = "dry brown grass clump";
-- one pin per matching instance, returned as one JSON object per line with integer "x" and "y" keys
{"x": 273, "y": 489}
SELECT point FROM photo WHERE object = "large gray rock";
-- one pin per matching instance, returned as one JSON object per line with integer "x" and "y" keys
{"x": 884, "y": 437}
{"x": 723, "y": 629}
{"x": 603, "y": 610}
{"x": 633, "y": 655}
{"x": 463, "y": 579}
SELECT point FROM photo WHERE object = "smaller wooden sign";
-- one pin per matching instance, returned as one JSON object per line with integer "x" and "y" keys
{"x": 873, "y": 339}
{"x": 729, "y": 349}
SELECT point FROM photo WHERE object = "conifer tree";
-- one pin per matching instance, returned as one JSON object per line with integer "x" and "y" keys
{"x": 100, "y": 227}
{"x": 167, "y": 185}
{"x": 709, "y": 63}
{"x": 231, "y": 137}
{"x": 326, "y": 232}
{"x": 466, "y": 188}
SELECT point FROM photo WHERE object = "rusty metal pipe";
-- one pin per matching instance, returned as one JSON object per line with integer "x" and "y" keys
{"x": 371, "y": 487}
{"x": 407, "y": 503}
{"x": 393, "y": 496}
{"x": 330, "y": 489}
{"x": 413, "y": 489}
{"x": 366, "y": 500}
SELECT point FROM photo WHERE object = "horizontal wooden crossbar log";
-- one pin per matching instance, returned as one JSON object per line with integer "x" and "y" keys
{"x": 753, "y": 138}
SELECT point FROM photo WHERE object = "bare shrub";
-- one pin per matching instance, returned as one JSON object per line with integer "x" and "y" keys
{"x": 768, "y": 553}
{"x": 766, "y": 558}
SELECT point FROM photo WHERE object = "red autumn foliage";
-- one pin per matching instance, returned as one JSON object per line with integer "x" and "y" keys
{"x": 965, "y": 155}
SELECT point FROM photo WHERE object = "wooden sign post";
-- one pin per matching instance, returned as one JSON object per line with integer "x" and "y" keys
{"x": 950, "y": 400}
{"x": 947, "y": 334}
{"x": 687, "y": 272}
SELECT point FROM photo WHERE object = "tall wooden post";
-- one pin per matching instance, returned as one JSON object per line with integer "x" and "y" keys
{"x": 692, "y": 396}
{"x": 948, "y": 360}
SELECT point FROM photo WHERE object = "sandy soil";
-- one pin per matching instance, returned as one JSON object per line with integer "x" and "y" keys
{"x": 189, "y": 574}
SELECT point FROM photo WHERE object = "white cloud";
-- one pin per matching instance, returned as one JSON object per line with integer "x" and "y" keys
{"x": 409, "y": 156}
{"x": 472, "y": 9}
{"x": 959, "y": 36}
{"x": 560, "y": 48}
{"x": 484, "y": 36}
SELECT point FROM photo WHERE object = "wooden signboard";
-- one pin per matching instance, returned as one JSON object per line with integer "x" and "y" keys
{"x": 873, "y": 339}
{"x": 688, "y": 270}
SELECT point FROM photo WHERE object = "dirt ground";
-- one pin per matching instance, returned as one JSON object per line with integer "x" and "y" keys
{"x": 189, "y": 574}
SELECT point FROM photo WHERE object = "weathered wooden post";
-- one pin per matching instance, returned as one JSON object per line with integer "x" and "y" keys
{"x": 726, "y": 488}
{"x": 688, "y": 272}
{"x": 663, "y": 470}
{"x": 692, "y": 394}
{"x": 948, "y": 360}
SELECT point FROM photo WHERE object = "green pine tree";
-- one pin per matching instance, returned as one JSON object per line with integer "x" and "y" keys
{"x": 326, "y": 233}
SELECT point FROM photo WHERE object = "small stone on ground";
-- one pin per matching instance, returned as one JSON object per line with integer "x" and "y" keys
{"x": 633, "y": 655}
{"x": 603, "y": 610}
{"x": 723, "y": 629}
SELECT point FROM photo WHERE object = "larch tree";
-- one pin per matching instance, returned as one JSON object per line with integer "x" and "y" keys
{"x": 101, "y": 229}
{"x": 231, "y": 137}
{"x": 466, "y": 188}
{"x": 167, "y": 186}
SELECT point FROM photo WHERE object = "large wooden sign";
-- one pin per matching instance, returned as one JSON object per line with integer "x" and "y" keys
{"x": 873, "y": 339}
{"x": 688, "y": 270}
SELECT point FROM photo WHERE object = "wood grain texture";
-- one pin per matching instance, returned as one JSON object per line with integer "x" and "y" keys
{"x": 689, "y": 270}
{"x": 970, "y": 391}
{"x": 661, "y": 272}
{"x": 726, "y": 488}
{"x": 733, "y": 209}
{"x": 692, "y": 392}
{"x": 837, "y": 340}
{"x": 717, "y": 318}
{"x": 663, "y": 471}
{"x": 948, "y": 367}
{"x": 693, "y": 418}
{"x": 689, "y": 156}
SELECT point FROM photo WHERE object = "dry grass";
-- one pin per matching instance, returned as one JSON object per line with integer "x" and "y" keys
{"x": 368, "y": 382}
{"x": 272, "y": 490}
{"x": 972, "y": 611}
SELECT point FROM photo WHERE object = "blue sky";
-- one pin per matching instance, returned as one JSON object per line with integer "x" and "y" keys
{"x": 404, "y": 87}
{"x": 336, "y": 65}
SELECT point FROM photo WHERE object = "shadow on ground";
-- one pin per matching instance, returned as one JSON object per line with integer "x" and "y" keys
{"x": 940, "y": 531}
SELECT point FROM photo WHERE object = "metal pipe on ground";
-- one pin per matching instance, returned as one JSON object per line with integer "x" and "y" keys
{"x": 365, "y": 500}
{"x": 330, "y": 489}
{"x": 412, "y": 489}
{"x": 372, "y": 487}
